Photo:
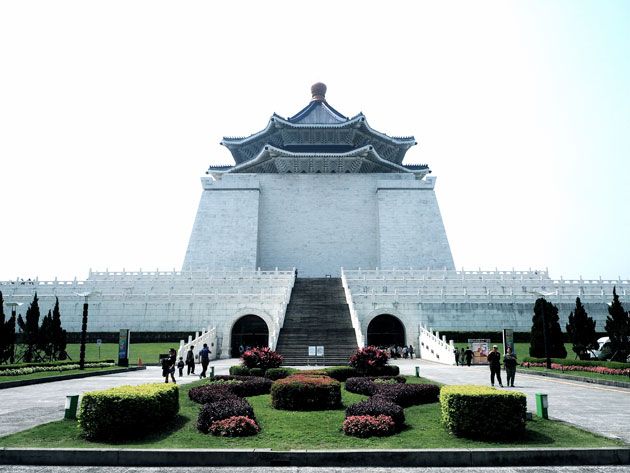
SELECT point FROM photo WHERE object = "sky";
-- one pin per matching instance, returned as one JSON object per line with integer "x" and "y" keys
{"x": 110, "y": 112}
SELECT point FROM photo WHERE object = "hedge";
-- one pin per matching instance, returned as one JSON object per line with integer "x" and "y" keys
{"x": 210, "y": 393}
{"x": 301, "y": 392}
{"x": 52, "y": 369}
{"x": 238, "y": 370}
{"x": 127, "y": 411}
{"x": 235, "y": 426}
{"x": 48, "y": 364}
{"x": 482, "y": 412}
{"x": 279, "y": 373}
{"x": 368, "y": 385}
{"x": 221, "y": 410}
{"x": 616, "y": 365}
{"x": 376, "y": 406}
{"x": 341, "y": 373}
{"x": 369, "y": 426}
{"x": 406, "y": 395}
{"x": 245, "y": 386}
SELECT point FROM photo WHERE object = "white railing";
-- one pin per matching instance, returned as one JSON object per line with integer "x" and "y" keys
{"x": 205, "y": 336}
{"x": 432, "y": 348}
{"x": 356, "y": 324}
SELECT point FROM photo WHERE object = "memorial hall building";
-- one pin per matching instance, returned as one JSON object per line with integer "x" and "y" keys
{"x": 319, "y": 234}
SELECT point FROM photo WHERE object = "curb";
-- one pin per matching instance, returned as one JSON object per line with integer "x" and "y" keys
{"x": 603, "y": 382}
{"x": 52, "y": 379}
{"x": 338, "y": 458}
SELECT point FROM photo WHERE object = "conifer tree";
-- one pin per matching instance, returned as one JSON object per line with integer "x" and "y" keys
{"x": 59, "y": 334}
{"x": 581, "y": 330}
{"x": 45, "y": 336}
{"x": 554, "y": 332}
{"x": 618, "y": 329}
{"x": 30, "y": 329}
{"x": 4, "y": 335}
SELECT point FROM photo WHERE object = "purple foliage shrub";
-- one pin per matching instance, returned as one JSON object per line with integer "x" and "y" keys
{"x": 369, "y": 426}
{"x": 224, "y": 409}
{"x": 235, "y": 426}
{"x": 376, "y": 406}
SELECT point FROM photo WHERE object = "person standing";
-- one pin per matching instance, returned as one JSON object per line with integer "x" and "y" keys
{"x": 180, "y": 366}
{"x": 461, "y": 357}
{"x": 168, "y": 365}
{"x": 204, "y": 357}
{"x": 456, "y": 353}
{"x": 190, "y": 361}
{"x": 468, "y": 354}
{"x": 494, "y": 359}
{"x": 509, "y": 361}
{"x": 411, "y": 351}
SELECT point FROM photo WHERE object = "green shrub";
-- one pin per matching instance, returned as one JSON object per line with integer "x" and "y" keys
{"x": 565, "y": 362}
{"x": 256, "y": 372}
{"x": 48, "y": 364}
{"x": 127, "y": 411}
{"x": 239, "y": 370}
{"x": 341, "y": 373}
{"x": 387, "y": 370}
{"x": 301, "y": 392}
{"x": 481, "y": 412}
{"x": 279, "y": 373}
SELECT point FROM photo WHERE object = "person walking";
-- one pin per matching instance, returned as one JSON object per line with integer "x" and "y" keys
{"x": 168, "y": 365}
{"x": 411, "y": 351}
{"x": 456, "y": 353}
{"x": 204, "y": 357}
{"x": 509, "y": 361}
{"x": 190, "y": 361}
{"x": 468, "y": 354}
{"x": 494, "y": 359}
{"x": 180, "y": 366}
{"x": 461, "y": 357}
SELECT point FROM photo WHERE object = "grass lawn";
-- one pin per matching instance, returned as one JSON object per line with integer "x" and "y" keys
{"x": 109, "y": 351}
{"x": 581, "y": 374}
{"x": 285, "y": 430}
{"x": 54, "y": 374}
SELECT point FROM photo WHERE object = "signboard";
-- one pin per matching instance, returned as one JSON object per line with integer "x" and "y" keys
{"x": 98, "y": 342}
{"x": 320, "y": 351}
{"x": 480, "y": 348}
{"x": 508, "y": 340}
{"x": 123, "y": 347}
{"x": 312, "y": 351}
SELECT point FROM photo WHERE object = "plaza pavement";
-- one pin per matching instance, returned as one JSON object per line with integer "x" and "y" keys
{"x": 601, "y": 409}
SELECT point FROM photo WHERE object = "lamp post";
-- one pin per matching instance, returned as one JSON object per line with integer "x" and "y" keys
{"x": 84, "y": 322}
{"x": 544, "y": 322}
{"x": 14, "y": 306}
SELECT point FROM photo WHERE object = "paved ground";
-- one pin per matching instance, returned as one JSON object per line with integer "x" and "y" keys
{"x": 601, "y": 409}
{"x": 66, "y": 469}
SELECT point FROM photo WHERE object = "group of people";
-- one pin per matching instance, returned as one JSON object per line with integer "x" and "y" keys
{"x": 494, "y": 360}
{"x": 170, "y": 363}
{"x": 396, "y": 351}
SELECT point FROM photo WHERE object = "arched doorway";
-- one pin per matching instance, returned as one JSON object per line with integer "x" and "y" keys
{"x": 386, "y": 330}
{"x": 250, "y": 330}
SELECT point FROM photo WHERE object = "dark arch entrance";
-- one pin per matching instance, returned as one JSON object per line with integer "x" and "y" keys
{"x": 250, "y": 330}
{"x": 386, "y": 330}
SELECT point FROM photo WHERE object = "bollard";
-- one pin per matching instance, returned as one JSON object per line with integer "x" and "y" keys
{"x": 212, "y": 372}
{"x": 542, "y": 404}
{"x": 72, "y": 403}
{"x": 417, "y": 371}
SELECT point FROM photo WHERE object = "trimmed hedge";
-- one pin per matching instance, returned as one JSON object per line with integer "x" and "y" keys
{"x": 618, "y": 365}
{"x": 210, "y": 393}
{"x": 376, "y": 406}
{"x": 481, "y": 412}
{"x": 369, "y": 426}
{"x": 368, "y": 385}
{"x": 387, "y": 370}
{"x": 301, "y": 392}
{"x": 406, "y": 395}
{"x": 341, "y": 373}
{"x": 247, "y": 385}
{"x": 47, "y": 364}
{"x": 53, "y": 369}
{"x": 221, "y": 410}
{"x": 279, "y": 373}
{"x": 128, "y": 411}
{"x": 239, "y": 370}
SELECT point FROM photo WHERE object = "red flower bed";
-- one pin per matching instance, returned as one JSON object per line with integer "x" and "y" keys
{"x": 369, "y": 426}
{"x": 591, "y": 369}
{"x": 235, "y": 426}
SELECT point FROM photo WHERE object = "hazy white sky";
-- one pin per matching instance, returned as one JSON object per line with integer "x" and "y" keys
{"x": 111, "y": 111}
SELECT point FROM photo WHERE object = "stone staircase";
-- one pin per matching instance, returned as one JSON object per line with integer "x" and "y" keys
{"x": 317, "y": 315}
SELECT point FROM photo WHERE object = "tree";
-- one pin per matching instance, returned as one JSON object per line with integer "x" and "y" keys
{"x": 581, "y": 330}
{"x": 554, "y": 332}
{"x": 59, "y": 337}
{"x": 618, "y": 328}
{"x": 45, "y": 337}
{"x": 30, "y": 330}
{"x": 7, "y": 334}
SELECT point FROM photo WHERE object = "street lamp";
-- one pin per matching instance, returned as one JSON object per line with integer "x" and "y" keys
{"x": 544, "y": 322}
{"x": 14, "y": 306}
{"x": 85, "y": 295}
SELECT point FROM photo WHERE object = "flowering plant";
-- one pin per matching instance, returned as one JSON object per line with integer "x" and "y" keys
{"x": 235, "y": 426}
{"x": 369, "y": 426}
{"x": 591, "y": 369}
{"x": 262, "y": 358}
{"x": 368, "y": 358}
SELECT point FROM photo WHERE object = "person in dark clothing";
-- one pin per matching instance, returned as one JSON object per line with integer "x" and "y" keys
{"x": 411, "y": 351}
{"x": 494, "y": 359}
{"x": 180, "y": 366}
{"x": 204, "y": 357}
{"x": 190, "y": 361}
{"x": 468, "y": 354}
{"x": 168, "y": 365}
{"x": 456, "y": 352}
{"x": 461, "y": 357}
{"x": 509, "y": 361}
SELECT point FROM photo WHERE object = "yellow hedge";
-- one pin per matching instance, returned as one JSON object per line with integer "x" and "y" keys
{"x": 482, "y": 412}
{"x": 127, "y": 411}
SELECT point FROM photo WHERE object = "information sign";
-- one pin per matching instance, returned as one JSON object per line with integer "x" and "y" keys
{"x": 480, "y": 348}
{"x": 312, "y": 351}
{"x": 123, "y": 347}
{"x": 320, "y": 351}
